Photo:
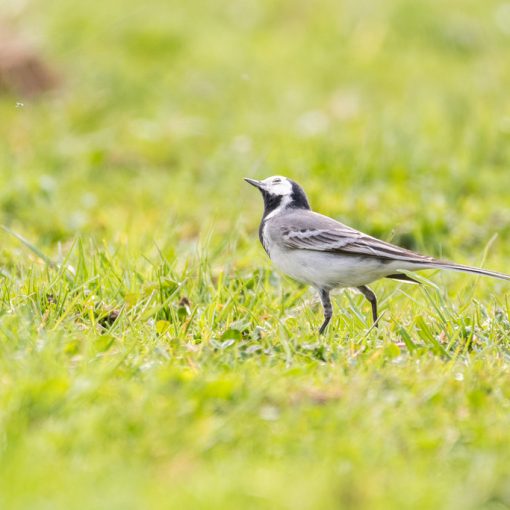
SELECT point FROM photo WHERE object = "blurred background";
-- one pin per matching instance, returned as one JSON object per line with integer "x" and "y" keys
{"x": 126, "y": 128}
{"x": 121, "y": 119}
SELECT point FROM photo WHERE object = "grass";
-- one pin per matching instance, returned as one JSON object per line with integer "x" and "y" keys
{"x": 150, "y": 358}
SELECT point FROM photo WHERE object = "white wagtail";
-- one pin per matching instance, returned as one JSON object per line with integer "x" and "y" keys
{"x": 322, "y": 252}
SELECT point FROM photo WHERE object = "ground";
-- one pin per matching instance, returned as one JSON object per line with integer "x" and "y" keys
{"x": 151, "y": 358}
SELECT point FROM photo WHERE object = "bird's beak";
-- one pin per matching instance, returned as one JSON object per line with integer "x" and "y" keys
{"x": 253, "y": 182}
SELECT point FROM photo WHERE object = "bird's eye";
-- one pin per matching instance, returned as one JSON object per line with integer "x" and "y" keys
{"x": 276, "y": 181}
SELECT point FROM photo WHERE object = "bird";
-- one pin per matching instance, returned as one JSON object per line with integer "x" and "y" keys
{"x": 322, "y": 252}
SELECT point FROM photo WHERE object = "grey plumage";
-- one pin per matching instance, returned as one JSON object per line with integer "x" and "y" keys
{"x": 322, "y": 252}
{"x": 306, "y": 230}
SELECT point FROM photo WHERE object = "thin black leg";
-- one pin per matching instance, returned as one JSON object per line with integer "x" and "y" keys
{"x": 328, "y": 309}
{"x": 373, "y": 301}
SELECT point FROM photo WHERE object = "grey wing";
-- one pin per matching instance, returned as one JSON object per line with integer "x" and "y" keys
{"x": 325, "y": 234}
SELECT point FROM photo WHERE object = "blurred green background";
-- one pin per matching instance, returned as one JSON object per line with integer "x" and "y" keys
{"x": 390, "y": 114}
{"x": 395, "y": 117}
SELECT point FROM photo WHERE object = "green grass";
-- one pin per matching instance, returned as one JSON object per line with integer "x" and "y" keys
{"x": 149, "y": 356}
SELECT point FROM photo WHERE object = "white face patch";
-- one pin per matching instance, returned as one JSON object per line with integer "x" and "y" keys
{"x": 278, "y": 185}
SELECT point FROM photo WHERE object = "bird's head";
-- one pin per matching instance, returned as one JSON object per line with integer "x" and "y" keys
{"x": 280, "y": 193}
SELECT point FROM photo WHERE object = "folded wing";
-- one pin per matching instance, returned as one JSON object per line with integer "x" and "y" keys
{"x": 308, "y": 230}
{"x": 343, "y": 239}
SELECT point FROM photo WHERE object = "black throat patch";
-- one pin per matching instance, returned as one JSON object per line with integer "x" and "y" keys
{"x": 297, "y": 200}
{"x": 271, "y": 202}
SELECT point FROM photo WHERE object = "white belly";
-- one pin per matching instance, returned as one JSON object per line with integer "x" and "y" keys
{"x": 328, "y": 270}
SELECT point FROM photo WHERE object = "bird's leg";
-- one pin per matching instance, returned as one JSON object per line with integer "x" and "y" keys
{"x": 373, "y": 301}
{"x": 328, "y": 309}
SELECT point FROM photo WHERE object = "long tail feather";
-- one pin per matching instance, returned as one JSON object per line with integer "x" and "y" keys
{"x": 469, "y": 269}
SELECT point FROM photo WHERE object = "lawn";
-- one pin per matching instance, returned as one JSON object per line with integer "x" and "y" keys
{"x": 149, "y": 356}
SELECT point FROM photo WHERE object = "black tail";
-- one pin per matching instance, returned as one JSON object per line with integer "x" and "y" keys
{"x": 402, "y": 278}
